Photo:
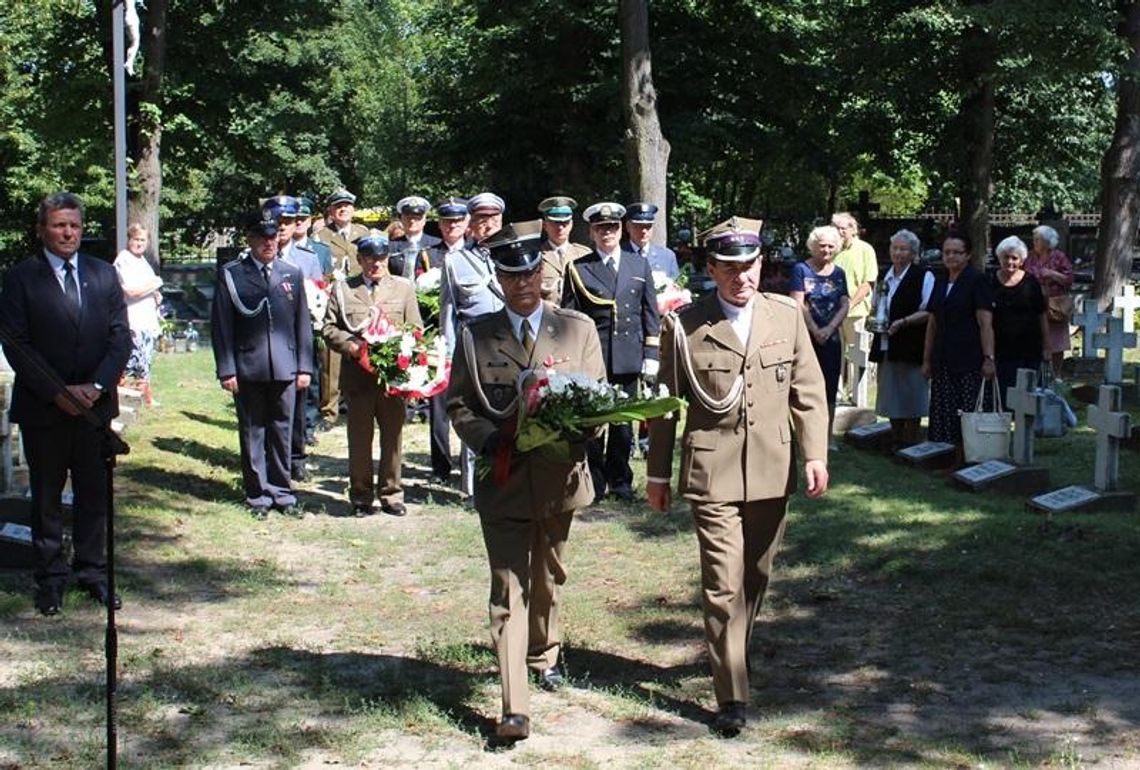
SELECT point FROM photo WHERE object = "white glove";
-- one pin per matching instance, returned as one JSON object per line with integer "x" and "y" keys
{"x": 649, "y": 367}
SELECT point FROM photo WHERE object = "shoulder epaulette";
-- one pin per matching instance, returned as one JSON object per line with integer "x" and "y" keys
{"x": 783, "y": 300}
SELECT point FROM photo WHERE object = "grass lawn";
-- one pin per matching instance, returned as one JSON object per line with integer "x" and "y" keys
{"x": 909, "y": 624}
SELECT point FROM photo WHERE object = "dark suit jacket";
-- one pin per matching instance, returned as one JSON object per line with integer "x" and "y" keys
{"x": 270, "y": 346}
{"x": 958, "y": 339}
{"x": 624, "y": 309}
{"x": 397, "y": 260}
{"x": 91, "y": 346}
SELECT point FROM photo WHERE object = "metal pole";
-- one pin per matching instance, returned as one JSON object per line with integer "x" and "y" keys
{"x": 119, "y": 54}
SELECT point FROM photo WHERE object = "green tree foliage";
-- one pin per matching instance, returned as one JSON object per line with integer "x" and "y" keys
{"x": 782, "y": 109}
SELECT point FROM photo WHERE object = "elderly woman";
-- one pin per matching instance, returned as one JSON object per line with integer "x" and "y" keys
{"x": 903, "y": 393}
{"x": 820, "y": 287}
{"x": 1020, "y": 327}
{"x": 142, "y": 292}
{"x": 1053, "y": 270}
{"x": 959, "y": 347}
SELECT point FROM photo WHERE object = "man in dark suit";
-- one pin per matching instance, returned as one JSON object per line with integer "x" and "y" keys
{"x": 263, "y": 350}
{"x": 409, "y": 255}
{"x": 615, "y": 288}
{"x": 66, "y": 316}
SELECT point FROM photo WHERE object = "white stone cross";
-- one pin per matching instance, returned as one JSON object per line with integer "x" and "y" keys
{"x": 1111, "y": 425}
{"x": 1091, "y": 321}
{"x": 1126, "y": 305}
{"x": 859, "y": 356}
{"x": 1026, "y": 404}
{"x": 1113, "y": 341}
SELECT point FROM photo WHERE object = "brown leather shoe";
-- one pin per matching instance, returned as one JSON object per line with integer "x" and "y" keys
{"x": 730, "y": 720}
{"x": 515, "y": 727}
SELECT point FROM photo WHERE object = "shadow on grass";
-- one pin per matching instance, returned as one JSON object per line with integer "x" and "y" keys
{"x": 269, "y": 705}
{"x": 213, "y": 455}
{"x": 230, "y": 425}
{"x": 165, "y": 481}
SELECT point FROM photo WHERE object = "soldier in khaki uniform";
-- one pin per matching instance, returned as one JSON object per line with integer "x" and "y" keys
{"x": 348, "y": 315}
{"x": 744, "y": 362}
{"x": 340, "y": 235}
{"x": 526, "y": 520}
{"x": 556, "y": 249}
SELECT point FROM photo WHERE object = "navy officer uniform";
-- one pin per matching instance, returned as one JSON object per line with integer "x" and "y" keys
{"x": 409, "y": 254}
{"x": 263, "y": 350}
{"x": 622, "y": 302}
{"x": 640, "y": 217}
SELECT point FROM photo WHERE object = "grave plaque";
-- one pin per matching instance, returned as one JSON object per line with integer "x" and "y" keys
{"x": 983, "y": 472}
{"x": 1064, "y": 499}
{"x": 875, "y": 436}
{"x": 928, "y": 454}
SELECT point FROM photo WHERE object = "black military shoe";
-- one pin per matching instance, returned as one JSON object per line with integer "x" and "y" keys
{"x": 730, "y": 720}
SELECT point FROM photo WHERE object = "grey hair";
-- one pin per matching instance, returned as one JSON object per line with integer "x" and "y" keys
{"x": 57, "y": 201}
{"x": 1014, "y": 244}
{"x": 844, "y": 216}
{"x": 911, "y": 240}
{"x": 1048, "y": 234}
{"x": 818, "y": 233}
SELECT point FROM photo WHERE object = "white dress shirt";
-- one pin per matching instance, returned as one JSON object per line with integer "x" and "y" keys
{"x": 739, "y": 317}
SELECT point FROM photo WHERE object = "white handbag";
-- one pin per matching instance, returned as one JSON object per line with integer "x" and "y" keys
{"x": 985, "y": 435}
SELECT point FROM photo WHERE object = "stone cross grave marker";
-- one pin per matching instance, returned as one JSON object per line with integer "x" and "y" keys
{"x": 1113, "y": 341}
{"x": 1126, "y": 304}
{"x": 1112, "y": 426}
{"x": 1091, "y": 321}
{"x": 859, "y": 357}
{"x": 1026, "y": 403}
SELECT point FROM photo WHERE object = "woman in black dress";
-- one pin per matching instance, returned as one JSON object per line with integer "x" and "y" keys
{"x": 1020, "y": 323}
{"x": 959, "y": 346}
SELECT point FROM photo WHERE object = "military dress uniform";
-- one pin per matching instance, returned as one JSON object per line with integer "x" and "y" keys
{"x": 342, "y": 248}
{"x": 623, "y": 307}
{"x": 348, "y": 314}
{"x": 748, "y": 399}
{"x": 555, "y": 258}
{"x": 469, "y": 289}
{"x": 525, "y": 521}
{"x": 262, "y": 335}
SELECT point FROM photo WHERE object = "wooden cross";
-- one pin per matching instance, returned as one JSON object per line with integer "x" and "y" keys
{"x": 863, "y": 208}
{"x": 1111, "y": 425}
{"x": 1026, "y": 404}
{"x": 1090, "y": 320}
{"x": 859, "y": 356}
{"x": 1126, "y": 305}
{"x": 1113, "y": 341}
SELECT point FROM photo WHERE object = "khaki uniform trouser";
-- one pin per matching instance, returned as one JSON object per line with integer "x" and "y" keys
{"x": 330, "y": 383}
{"x": 738, "y": 543}
{"x": 365, "y": 412}
{"x": 527, "y": 572}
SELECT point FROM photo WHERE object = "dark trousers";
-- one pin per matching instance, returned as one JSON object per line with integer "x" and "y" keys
{"x": 306, "y": 412}
{"x": 52, "y": 451}
{"x": 440, "y": 436}
{"x": 265, "y": 422}
{"x": 608, "y": 458}
{"x": 830, "y": 357}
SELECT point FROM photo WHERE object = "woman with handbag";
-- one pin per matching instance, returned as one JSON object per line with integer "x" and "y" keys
{"x": 1020, "y": 328}
{"x": 959, "y": 347}
{"x": 1054, "y": 271}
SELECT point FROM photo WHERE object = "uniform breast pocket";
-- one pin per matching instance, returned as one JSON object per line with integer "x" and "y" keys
{"x": 498, "y": 381}
{"x": 394, "y": 310}
{"x": 468, "y": 289}
{"x": 776, "y": 367}
{"x": 716, "y": 373}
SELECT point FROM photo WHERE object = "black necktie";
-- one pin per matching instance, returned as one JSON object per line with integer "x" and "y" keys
{"x": 267, "y": 271}
{"x": 610, "y": 267}
{"x": 70, "y": 287}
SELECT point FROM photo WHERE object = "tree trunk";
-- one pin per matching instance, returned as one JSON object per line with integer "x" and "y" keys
{"x": 647, "y": 151}
{"x": 1120, "y": 172}
{"x": 978, "y": 139}
{"x": 145, "y": 194}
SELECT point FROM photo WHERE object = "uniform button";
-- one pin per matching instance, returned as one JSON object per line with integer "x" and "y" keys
{"x": 750, "y": 402}
{"x": 750, "y": 383}
{"x": 751, "y": 422}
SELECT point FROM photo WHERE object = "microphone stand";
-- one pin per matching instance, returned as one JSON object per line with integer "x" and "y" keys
{"x": 111, "y": 446}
